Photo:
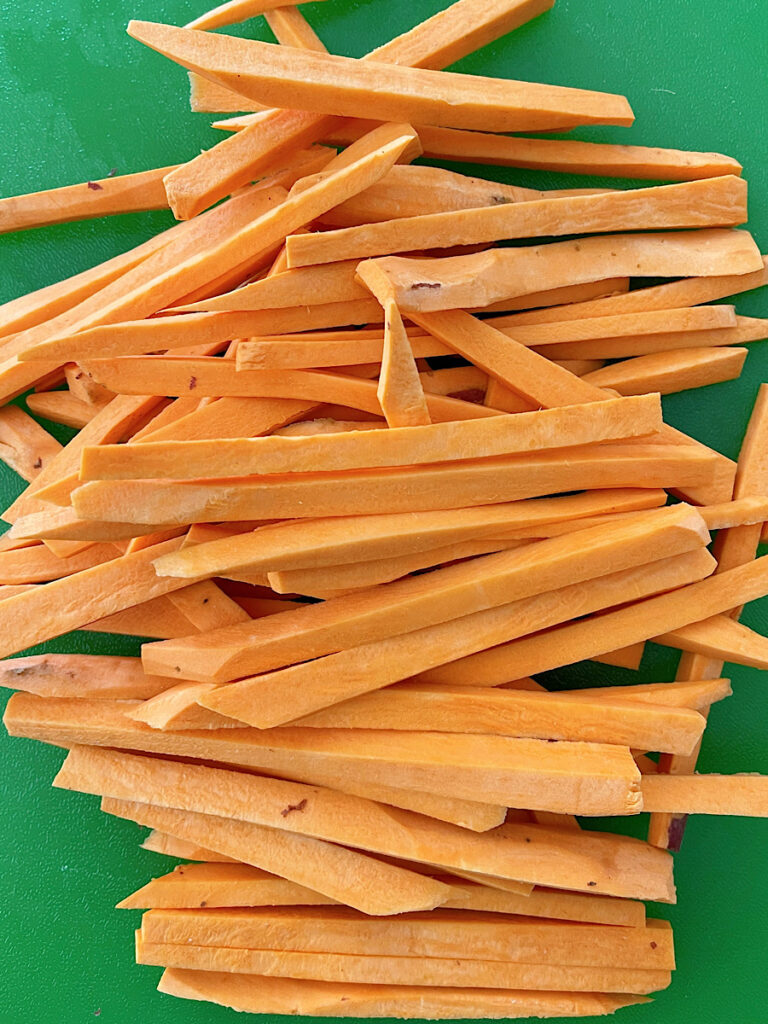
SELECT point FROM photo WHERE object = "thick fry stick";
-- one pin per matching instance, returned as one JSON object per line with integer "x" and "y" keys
{"x": 720, "y": 638}
{"x": 580, "y": 640}
{"x": 508, "y": 713}
{"x": 435, "y": 43}
{"x": 345, "y": 540}
{"x": 279, "y": 995}
{"x": 690, "y": 291}
{"x": 690, "y": 693}
{"x": 486, "y": 481}
{"x": 710, "y": 202}
{"x": 332, "y": 929}
{"x": 612, "y": 419}
{"x": 328, "y": 84}
{"x": 707, "y": 794}
{"x": 222, "y": 885}
{"x": 435, "y": 972}
{"x": 481, "y": 279}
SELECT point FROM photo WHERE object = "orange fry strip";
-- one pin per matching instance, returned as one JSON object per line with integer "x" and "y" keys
{"x": 222, "y": 885}
{"x": 207, "y": 376}
{"x": 669, "y": 372}
{"x": 347, "y": 875}
{"x": 710, "y": 202}
{"x": 123, "y": 194}
{"x": 563, "y": 427}
{"x": 76, "y": 600}
{"x": 81, "y": 675}
{"x": 25, "y": 446}
{"x": 573, "y": 642}
{"x": 314, "y": 543}
{"x": 258, "y": 994}
{"x": 745, "y": 795}
{"x": 481, "y": 279}
{"x": 235, "y": 11}
{"x": 328, "y": 84}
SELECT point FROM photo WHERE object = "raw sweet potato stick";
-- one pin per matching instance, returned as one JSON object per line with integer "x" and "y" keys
{"x": 446, "y": 37}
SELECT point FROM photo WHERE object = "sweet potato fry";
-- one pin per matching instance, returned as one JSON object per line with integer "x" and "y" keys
{"x": 81, "y": 675}
{"x": 668, "y": 372}
{"x": 222, "y": 885}
{"x": 311, "y": 862}
{"x": 336, "y": 85}
{"x": 582, "y": 639}
{"x": 381, "y": 612}
{"x": 708, "y": 203}
{"x": 280, "y": 995}
{"x": 332, "y": 929}
{"x": 342, "y": 540}
{"x": 707, "y": 794}
{"x": 123, "y": 194}
{"x": 86, "y": 595}
{"x": 25, "y": 446}
{"x": 481, "y": 279}
{"x": 510, "y": 713}
{"x": 573, "y": 425}
{"x": 233, "y": 12}
{"x": 449, "y": 485}
{"x": 720, "y": 638}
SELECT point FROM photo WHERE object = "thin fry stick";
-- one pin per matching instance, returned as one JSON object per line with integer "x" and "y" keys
{"x": 223, "y": 885}
{"x": 290, "y": 28}
{"x": 233, "y": 12}
{"x": 123, "y": 194}
{"x": 668, "y": 372}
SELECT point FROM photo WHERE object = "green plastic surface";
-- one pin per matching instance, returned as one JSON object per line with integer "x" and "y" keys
{"x": 77, "y": 98}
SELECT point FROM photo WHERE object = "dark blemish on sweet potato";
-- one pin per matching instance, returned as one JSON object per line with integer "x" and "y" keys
{"x": 37, "y": 464}
{"x": 425, "y": 284}
{"x": 676, "y": 832}
{"x": 94, "y": 186}
{"x": 653, "y": 945}
{"x": 293, "y": 807}
{"x": 203, "y": 903}
{"x": 591, "y": 883}
{"x": 192, "y": 383}
{"x": 205, "y": 600}
{"x": 499, "y": 200}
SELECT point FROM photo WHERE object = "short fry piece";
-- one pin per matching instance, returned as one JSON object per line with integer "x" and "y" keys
{"x": 707, "y": 794}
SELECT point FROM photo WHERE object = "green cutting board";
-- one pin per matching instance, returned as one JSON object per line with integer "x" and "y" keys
{"x": 77, "y": 98}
